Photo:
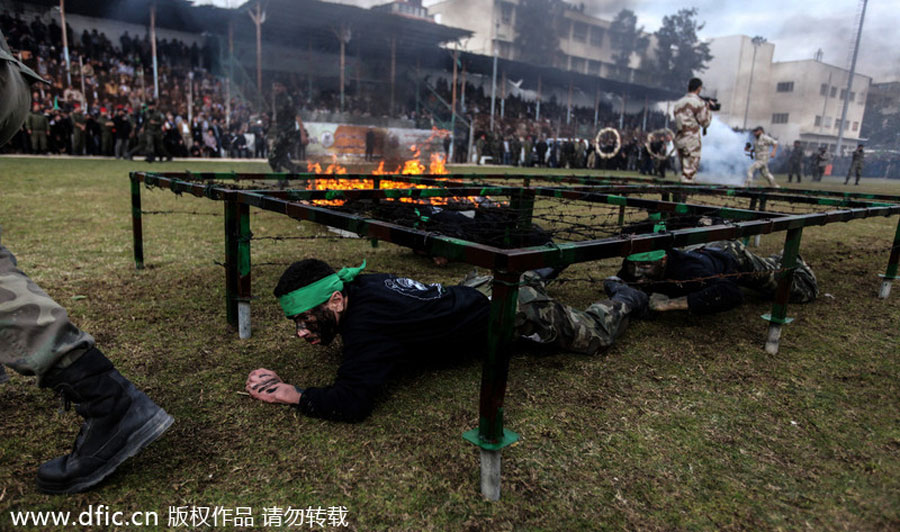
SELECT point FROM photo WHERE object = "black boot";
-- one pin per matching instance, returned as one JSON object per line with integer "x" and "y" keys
{"x": 636, "y": 300}
{"x": 119, "y": 421}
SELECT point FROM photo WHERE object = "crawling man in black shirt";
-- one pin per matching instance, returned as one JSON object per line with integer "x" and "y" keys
{"x": 707, "y": 279}
{"x": 387, "y": 322}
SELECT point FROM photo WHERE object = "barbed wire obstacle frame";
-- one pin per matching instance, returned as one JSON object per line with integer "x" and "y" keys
{"x": 508, "y": 260}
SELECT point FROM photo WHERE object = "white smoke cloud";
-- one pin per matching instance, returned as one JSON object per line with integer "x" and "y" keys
{"x": 723, "y": 159}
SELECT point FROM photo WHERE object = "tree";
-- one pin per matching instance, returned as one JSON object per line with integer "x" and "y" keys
{"x": 679, "y": 53}
{"x": 538, "y": 24}
{"x": 626, "y": 38}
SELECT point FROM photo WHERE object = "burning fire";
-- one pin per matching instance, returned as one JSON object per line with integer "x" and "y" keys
{"x": 412, "y": 166}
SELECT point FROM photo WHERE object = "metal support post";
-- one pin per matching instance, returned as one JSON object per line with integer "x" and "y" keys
{"x": 753, "y": 200}
{"x": 237, "y": 266}
{"x": 490, "y": 435}
{"x": 522, "y": 205}
{"x": 137, "y": 228}
{"x": 785, "y": 277}
{"x": 891, "y": 272}
{"x": 621, "y": 216}
{"x": 762, "y": 207}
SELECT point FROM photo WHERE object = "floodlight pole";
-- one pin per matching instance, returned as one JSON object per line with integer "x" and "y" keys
{"x": 65, "y": 41}
{"x": 153, "y": 50}
{"x": 393, "y": 73}
{"x": 837, "y": 149}
{"x": 230, "y": 73}
{"x": 537, "y": 114}
{"x": 258, "y": 18}
{"x": 494, "y": 84}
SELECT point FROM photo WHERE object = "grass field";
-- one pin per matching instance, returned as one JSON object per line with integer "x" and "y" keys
{"x": 685, "y": 424}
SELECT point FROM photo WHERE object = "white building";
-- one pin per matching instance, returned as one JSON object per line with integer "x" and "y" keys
{"x": 584, "y": 41}
{"x": 793, "y": 100}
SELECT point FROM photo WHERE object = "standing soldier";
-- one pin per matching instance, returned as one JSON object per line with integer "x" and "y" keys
{"x": 38, "y": 127}
{"x": 107, "y": 128}
{"x": 856, "y": 164}
{"x": 39, "y": 339}
{"x": 761, "y": 147}
{"x": 820, "y": 163}
{"x": 284, "y": 130}
{"x": 692, "y": 114}
{"x": 795, "y": 163}
{"x": 153, "y": 133}
{"x": 79, "y": 124}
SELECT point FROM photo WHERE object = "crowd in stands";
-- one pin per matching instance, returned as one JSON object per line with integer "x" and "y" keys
{"x": 105, "y": 90}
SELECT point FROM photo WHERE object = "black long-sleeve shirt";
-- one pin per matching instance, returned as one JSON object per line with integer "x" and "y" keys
{"x": 391, "y": 321}
{"x": 704, "y": 297}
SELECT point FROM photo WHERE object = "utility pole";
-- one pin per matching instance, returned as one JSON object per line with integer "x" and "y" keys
{"x": 65, "y": 41}
{"x": 153, "y": 50}
{"x": 757, "y": 42}
{"x": 258, "y": 18}
{"x": 862, "y": 16}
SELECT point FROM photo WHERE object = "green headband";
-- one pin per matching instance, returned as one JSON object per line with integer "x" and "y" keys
{"x": 651, "y": 256}
{"x": 314, "y": 294}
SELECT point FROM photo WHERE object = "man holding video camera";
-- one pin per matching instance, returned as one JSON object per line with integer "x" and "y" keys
{"x": 693, "y": 114}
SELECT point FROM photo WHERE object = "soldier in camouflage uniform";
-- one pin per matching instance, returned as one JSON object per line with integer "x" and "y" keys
{"x": 37, "y": 338}
{"x": 795, "y": 162}
{"x": 107, "y": 138}
{"x": 285, "y": 131}
{"x": 856, "y": 164}
{"x": 542, "y": 319}
{"x": 152, "y": 134}
{"x": 764, "y": 147}
{"x": 692, "y": 115}
{"x": 38, "y": 128}
{"x": 79, "y": 124}
{"x": 708, "y": 278}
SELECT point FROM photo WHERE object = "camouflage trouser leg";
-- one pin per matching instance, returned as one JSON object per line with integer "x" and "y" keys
{"x": 804, "y": 288}
{"x": 278, "y": 153}
{"x": 542, "y": 319}
{"x": 690, "y": 164}
{"x": 763, "y": 168}
{"x": 35, "y": 332}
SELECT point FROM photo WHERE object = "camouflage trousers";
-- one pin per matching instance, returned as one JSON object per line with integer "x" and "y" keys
{"x": 855, "y": 169}
{"x": 689, "y": 155}
{"x": 279, "y": 149}
{"x": 763, "y": 167}
{"x": 762, "y": 271}
{"x": 35, "y": 332}
{"x": 542, "y": 319}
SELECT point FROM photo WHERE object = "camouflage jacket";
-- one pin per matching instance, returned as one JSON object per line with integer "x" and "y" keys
{"x": 691, "y": 115}
{"x": 763, "y": 146}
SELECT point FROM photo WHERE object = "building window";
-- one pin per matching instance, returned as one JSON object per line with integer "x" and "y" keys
{"x": 594, "y": 68}
{"x": 578, "y": 64}
{"x": 780, "y": 118}
{"x": 506, "y": 12}
{"x": 833, "y": 92}
{"x": 837, "y": 123}
{"x": 823, "y": 90}
{"x": 565, "y": 28}
{"x": 827, "y": 123}
{"x": 580, "y": 31}
{"x": 862, "y": 98}
{"x": 855, "y": 126}
{"x": 852, "y": 96}
{"x": 785, "y": 86}
{"x": 818, "y": 118}
{"x": 843, "y": 93}
{"x": 597, "y": 36}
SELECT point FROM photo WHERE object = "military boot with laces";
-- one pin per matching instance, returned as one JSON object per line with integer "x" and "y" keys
{"x": 119, "y": 421}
